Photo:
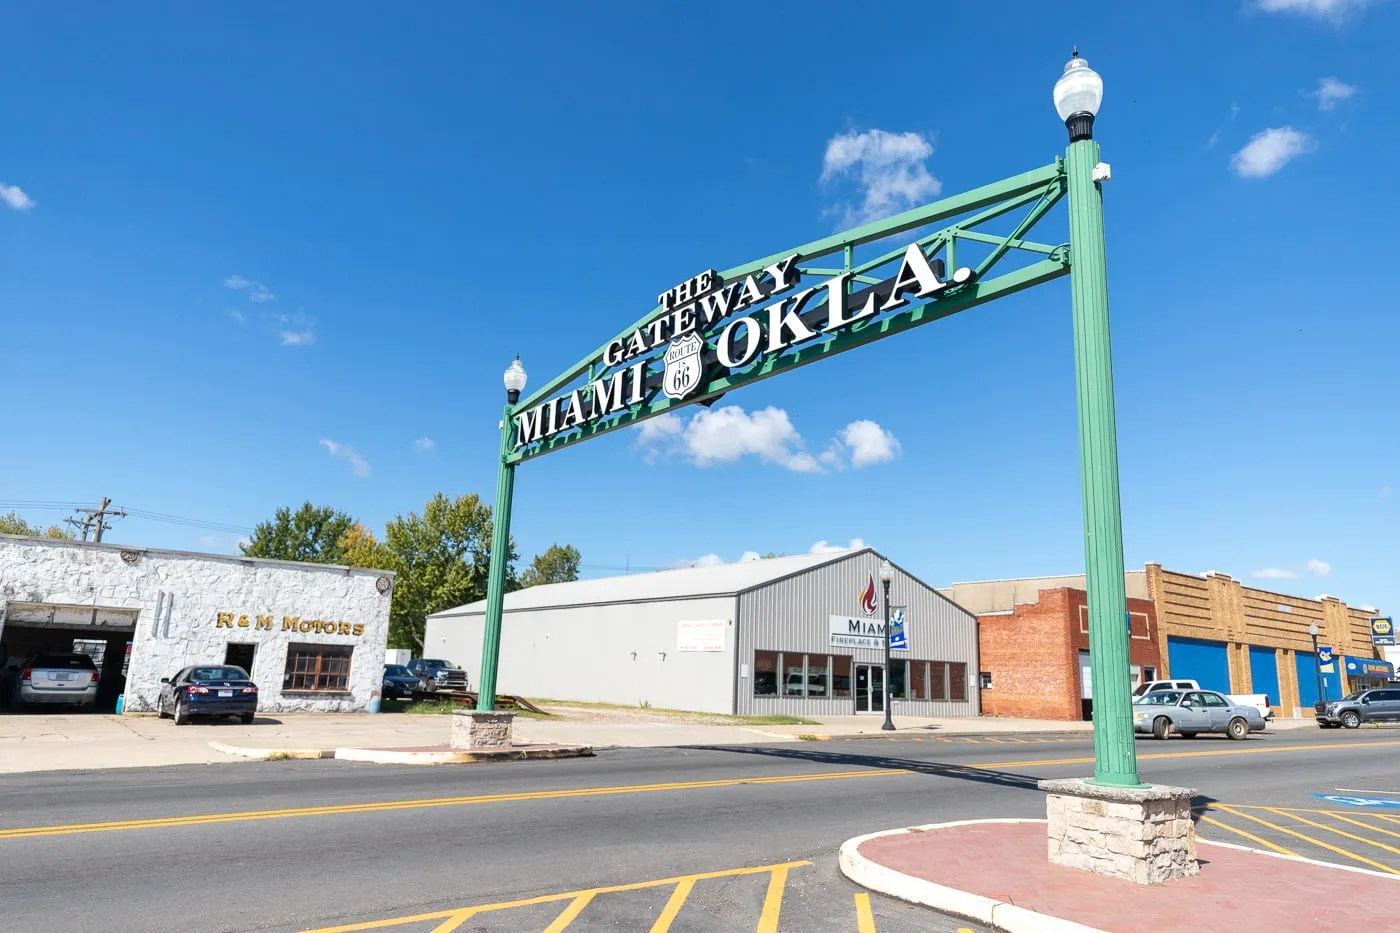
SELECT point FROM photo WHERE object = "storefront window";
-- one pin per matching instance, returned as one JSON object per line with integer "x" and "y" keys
{"x": 818, "y": 666}
{"x": 792, "y": 683}
{"x": 938, "y": 680}
{"x": 957, "y": 680}
{"x": 765, "y": 673}
{"x": 840, "y": 675}
{"x": 317, "y": 667}
{"x": 918, "y": 680}
{"x": 898, "y": 680}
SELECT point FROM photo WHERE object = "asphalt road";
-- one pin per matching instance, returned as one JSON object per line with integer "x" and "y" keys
{"x": 717, "y": 838}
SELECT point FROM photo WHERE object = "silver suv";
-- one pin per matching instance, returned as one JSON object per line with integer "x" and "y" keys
{"x": 1381, "y": 705}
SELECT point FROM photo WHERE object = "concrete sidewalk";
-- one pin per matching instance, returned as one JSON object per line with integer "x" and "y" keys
{"x": 997, "y": 872}
{"x": 48, "y": 742}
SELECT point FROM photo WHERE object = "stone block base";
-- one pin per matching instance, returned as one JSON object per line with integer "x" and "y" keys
{"x": 1140, "y": 834}
{"x": 473, "y": 728}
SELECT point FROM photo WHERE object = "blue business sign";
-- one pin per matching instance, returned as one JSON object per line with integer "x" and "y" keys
{"x": 899, "y": 639}
{"x": 1368, "y": 667}
{"x": 1382, "y": 631}
{"x": 1324, "y": 657}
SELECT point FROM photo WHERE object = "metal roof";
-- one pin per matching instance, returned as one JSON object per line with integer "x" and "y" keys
{"x": 685, "y": 583}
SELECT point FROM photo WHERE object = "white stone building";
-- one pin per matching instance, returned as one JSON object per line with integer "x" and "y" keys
{"x": 311, "y": 635}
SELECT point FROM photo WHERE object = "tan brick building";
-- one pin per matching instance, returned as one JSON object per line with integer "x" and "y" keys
{"x": 1033, "y": 641}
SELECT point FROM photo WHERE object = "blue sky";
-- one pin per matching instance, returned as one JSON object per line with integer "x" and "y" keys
{"x": 266, "y": 253}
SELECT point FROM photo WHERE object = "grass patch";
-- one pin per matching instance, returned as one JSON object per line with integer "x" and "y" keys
{"x": 442, "y": 707}
{"x": 280, "y": 756}
{"x": 777, "y": 720}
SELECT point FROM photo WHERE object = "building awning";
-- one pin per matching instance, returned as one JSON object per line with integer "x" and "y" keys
{"x": 1369, "y": 667}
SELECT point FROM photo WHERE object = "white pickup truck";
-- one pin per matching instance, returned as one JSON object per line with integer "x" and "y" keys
{"x": 1259, "y": 701}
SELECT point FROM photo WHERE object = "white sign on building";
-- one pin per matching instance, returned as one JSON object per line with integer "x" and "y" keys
{"x": 702, "y": 635}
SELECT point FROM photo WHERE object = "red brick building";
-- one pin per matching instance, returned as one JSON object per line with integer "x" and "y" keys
{"x": 1035, "y": 653}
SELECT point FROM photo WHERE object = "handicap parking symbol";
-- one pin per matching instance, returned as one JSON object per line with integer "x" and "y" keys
{"x": 1358, "y": 801}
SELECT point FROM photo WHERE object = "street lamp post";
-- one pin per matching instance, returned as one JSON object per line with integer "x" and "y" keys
{"x": 1317, "y": 663}
{"x": 515, "y": 378}
{"x": 886, "y": 575}
{"x": 1078, "y": 94}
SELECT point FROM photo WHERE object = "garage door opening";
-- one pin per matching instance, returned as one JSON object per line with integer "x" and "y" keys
{"x": 28, "y": 630}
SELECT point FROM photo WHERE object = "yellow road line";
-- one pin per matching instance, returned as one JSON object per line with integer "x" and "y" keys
{"x": 784, "y": 867}
{"x": 1249, "y": 836}
{"x": 1317, "y": 842}
{"x": 1340, "y": 832}
{"x": 454, "y": 921}
{"x": 1347, "y": 819}
{"x": 773, "y": 903}
{"x": 392, "y": 805}
{"x": 570, "y": 913}
{"x": 865, "y": 920}
{"x": 673, "y": 906}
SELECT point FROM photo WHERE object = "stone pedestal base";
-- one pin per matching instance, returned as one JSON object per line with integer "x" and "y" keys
{"x": 473, "y": 728}
{"x": 1141, "y": 834}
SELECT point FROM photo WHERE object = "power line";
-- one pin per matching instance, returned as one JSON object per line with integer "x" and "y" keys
{"x": 96, "y": 520}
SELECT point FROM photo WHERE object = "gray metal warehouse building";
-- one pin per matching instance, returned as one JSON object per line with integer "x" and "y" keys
{"x": 796, "y": 635}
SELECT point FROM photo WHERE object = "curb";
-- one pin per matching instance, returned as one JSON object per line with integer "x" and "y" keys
{"x": 264, "y": 754}
{"x": 986, "y": 910}
{"x": 390, "y": 756}
{"x": 1049, "y": 733}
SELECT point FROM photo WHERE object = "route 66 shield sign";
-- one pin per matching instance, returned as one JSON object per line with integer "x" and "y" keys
{"x": 683, "y": 368}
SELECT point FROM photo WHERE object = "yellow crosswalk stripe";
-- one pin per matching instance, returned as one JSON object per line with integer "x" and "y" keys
{"x": 865, "y": 920}
{"x": 673, "y": 906}
{"x": 1339, "y": 832}
{"x": 1250, "y": 836}
{"x": 570, "y": 913}
{"x": 1306, "y": 838}
{"x": 773, "y": 903}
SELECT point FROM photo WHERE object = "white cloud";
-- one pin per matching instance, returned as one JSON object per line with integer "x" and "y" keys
{"x": 238, "y": 316}
{"x": 297, "y": 338}
{"x": 869, "y": 443}
{"x": 1325, "y": 9}
{"x": 237, "y": 283}
{"x": 1331, "y": 92}
{"x": 257, "y": 291}
{"x": 747, "y": 556}
{"x": 726, "y": 435}
{"x": 1319, "y": 568}
{"x": 1215, "y": 137}
{"x": 823, "y": 547}
{"x": 890, "y": 168}
{"x": 1273, "y": 573}
{"x": 357, "y": 463}
{"x": 14, "y": 196}
{"x": 424, "y": 444}
{"x": 1271, "y": 150}
{"x": 261, "y": 294}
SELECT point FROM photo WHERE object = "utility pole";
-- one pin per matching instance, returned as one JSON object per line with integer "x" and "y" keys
{"x": 96, "y": 520}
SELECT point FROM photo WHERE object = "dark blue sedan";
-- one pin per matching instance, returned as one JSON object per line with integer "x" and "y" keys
{"x": 399, "y": 682}
{"x": 208, "y": 690}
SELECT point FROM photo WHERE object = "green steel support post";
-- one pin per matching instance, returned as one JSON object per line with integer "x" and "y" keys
{"x": 496, "y": 582}
{"x": 1115, "y": 758}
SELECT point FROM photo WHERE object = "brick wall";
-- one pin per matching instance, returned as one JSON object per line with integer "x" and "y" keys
{"x": 1032, "y": 654}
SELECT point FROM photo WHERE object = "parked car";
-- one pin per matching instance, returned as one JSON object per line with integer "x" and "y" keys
{"x": 437, "y": 674}
{"x": 1259, "y": 701}
{"x": 399, "y": 683}
{"x": 1380, "y": 705}
{"x": 207, "y": 690}
{"x": 1191, "y": 712}
{"x": 57, "y": 678}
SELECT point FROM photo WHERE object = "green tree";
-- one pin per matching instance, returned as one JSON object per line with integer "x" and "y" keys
{"x": 312, "y": 533}
{"x": 556, "y": 565}
{"x": 12, "y": 524}
{"x": 442, "y": 559}
{"x": 359, "y": 548}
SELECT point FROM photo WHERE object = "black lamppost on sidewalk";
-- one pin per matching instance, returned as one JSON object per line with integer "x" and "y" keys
{"x": 1317, "y": 663}
{"x": 886, "y": 575}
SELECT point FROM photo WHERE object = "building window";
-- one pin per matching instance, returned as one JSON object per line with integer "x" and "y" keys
{"x": 957, "y": 680}
{"x": 986, "y": 680}
{"x": 318, "y": 667}
{"x": 796, "y": 673}
{"x": 918, "y": 680}
{"x": 765, "y": 673}
{"x": 818, "y": 666}
{"x": 937, "y": 681}
{"x": 898, "y": 680}
{"x": 1149, "y": 674}
{"x": 841, "y": 675}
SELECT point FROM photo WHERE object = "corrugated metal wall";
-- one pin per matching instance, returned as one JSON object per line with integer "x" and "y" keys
{"x": 793, "y": 615}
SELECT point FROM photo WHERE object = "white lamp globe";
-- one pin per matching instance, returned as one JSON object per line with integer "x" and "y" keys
{"x": 1079, "y": 90}
{"x": 886, "y": 572}
{"x": 515, "y": 376}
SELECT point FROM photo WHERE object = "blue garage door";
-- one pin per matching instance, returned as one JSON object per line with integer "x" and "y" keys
{"x": 1263, "y": 673}
{"x": 1307, "y": 680}
{"x": 1201, "y": 661}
